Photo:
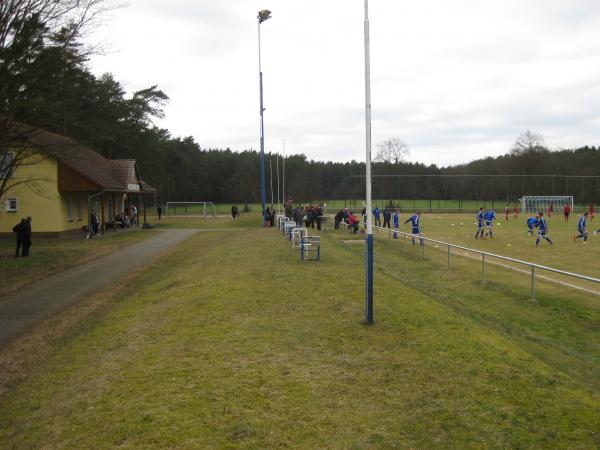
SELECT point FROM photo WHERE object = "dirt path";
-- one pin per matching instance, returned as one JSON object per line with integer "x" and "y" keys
{"x": 21, "y": 310}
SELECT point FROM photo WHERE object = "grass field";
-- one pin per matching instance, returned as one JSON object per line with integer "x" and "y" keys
{"x": 232, "y": 341}
{"x": 52, "y": 255}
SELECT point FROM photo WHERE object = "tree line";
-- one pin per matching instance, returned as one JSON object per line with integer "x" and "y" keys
{"x": 45, "y": 82}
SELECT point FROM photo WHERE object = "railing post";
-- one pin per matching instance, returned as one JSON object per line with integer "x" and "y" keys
{"x": 404, "y": 235}
{"x": 423, "y": 248}
{"x": 533, "y": 283}
{"x": 483, "y": 268}
{"x": 448, "y": 256}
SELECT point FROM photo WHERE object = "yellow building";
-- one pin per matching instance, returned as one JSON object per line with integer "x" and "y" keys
{"x": 63, "y": 181}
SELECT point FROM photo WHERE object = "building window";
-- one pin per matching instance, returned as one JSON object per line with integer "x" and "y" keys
{"x": 12, "y": 205}
{"x": 69, "y": 210}
{"x": 6, "y": 162}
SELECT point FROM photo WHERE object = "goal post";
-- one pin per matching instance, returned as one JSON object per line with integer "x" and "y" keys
{"x": 191, "y": 209}
{"x": 535, "y": 203}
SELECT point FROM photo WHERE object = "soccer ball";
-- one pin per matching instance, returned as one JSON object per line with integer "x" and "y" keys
{"x": 462, "y": 224}
{"x": 498, "y": 224}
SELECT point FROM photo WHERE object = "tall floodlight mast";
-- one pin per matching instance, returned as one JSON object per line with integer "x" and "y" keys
{"x": 369, "y": 265}
{"x": 263, "y": 15}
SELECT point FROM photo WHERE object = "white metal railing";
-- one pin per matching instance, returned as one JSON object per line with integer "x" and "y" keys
{"x": 532, "y": 266}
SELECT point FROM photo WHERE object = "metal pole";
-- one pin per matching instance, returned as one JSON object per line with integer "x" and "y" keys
{"x": 448, "y": 256}
{"x": 279, "y": 202}
{"x": 369, "y": 274}
{"x": 532, "y": 283}
{"x": 262, "y": 134}
{"x": 283, "y": 174}
{"x": 483, "y": 268}
{"x": 271, "y": 169}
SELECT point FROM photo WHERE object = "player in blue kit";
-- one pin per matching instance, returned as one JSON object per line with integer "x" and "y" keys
{"x": 396, "y": 222}
{"x": 543, "y": 230}
{"x": 581, "y": 228}
{"x": 480, "y": 224}
{"x": 490, "y": 216}
{"x": 416, "y": 227}
{"x": 532, "y": 223}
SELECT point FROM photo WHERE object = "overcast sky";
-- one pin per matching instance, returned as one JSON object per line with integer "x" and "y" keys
{"x": 456, "y": 80}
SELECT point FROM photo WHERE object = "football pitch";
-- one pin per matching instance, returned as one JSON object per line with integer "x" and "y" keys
{"x": 231, "y": 340}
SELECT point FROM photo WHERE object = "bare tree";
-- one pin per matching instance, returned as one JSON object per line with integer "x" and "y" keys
{"x": 529, "y": 142}
{"x": 393, "y": 151}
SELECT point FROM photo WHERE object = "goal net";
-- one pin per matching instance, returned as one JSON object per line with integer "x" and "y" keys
{"x": 190, "y": 209}
{"x": 535, "y": 203}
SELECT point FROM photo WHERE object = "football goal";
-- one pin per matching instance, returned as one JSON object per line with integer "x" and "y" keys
{"x": 190, "y": 208}
{"x": 535, "y": 203}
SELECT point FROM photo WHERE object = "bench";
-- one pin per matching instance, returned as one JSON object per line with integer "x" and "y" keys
{"x": 310, "y": 248}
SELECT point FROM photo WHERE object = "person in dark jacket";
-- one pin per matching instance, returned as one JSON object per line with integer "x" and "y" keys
{"x": 27, "y": 237}
{"x": 20, "y": 230}
{"x": 159, "y": 212}
{"x": 387, "y": 215}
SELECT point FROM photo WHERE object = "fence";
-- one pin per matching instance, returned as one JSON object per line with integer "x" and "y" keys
{"x": 457, "y": 193}
{"x": 485, "y": 256}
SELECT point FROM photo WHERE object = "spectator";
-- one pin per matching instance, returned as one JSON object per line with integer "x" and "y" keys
{"x": 27, "y": 237}
{"x": 159, "y": 211}
{"x": 134, "y": 215}
{"x": 387, "y": 215}
{"x": 20, "y": 230}
{"x": 377, "y": 214}
{"x": 339, "y": 217}
{"x": 353, "y": 222}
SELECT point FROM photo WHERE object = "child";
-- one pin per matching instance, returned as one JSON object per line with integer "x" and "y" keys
{"x": 416, "y": 227}
{"x": 532, "y": 223}
{"x": 543, "y": 231}
{"x": 490, "y": 216}
{"x": 480, "y": 224}
{"x": 581, "y": 229}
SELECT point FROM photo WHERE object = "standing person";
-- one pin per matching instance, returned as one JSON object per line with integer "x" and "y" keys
{"x": 532, "y": 223}
{"x": 319, "y": 216}
{"x": 26, "y": 237}
{"x": 387, "y": 215}
{"x": 516, "y": 212}
{"x": 338, "y": 219}
{"x": 550, "y": 210}
{"x": 377, "y": 214}
{"x": 567, "y": 212}
{"x": 506, "y": 212}
{"x": 543, "y": 230}
{"x": 592, "y": 210}
{"x": 159, "y": 211}
{"x": 20, "y": 230}
{"x": 480, "y": 223}
{"x": 268, "y": 216}
{"x": 490, "y": 216}
{"x": 415, "y": 220}
{"x": 396, "y": 220}
{"x": 581, "y": 225}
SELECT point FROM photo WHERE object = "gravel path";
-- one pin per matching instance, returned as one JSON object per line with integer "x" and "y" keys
{"x": 21, "y": 310}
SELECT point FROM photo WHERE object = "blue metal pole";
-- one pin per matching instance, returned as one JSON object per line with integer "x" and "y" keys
{"x": 369, "y": 265}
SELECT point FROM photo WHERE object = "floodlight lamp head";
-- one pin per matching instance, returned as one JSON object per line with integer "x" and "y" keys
{"x": 263, "y": 15}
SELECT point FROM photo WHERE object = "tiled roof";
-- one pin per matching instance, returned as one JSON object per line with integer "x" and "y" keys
{"x": 110, "y": 174}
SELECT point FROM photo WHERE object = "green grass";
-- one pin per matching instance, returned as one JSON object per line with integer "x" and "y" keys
{"x": 232, "y": 341}
{"x": 511, "y": 239}
{"x": 52, "y": 255}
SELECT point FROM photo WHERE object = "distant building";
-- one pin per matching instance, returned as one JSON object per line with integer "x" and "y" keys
{"x": 65, "y": 181}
